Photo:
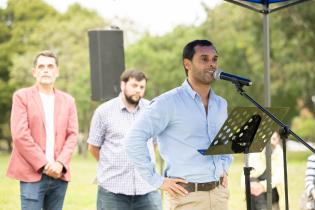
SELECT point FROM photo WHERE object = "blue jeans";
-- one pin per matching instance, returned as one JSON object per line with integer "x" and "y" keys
{"x": 107, "y": 200}
{"x": 46, "y": 194}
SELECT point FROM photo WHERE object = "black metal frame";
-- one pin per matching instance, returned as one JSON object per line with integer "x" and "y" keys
{"x": 266, "y": 9}
{"x": 284, "y": 132}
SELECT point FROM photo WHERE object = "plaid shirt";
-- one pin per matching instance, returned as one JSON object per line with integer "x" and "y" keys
{"x": 115, "y": 172}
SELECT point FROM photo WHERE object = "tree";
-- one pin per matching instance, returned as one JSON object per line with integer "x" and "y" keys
{"x": 17, "y": 22}
{"x": 67, "y": 36}
{"x": 239, "y": 40}
{"x": 35, "y": 27}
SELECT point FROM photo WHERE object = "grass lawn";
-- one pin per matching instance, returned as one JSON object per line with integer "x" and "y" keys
{"x": 81, "y": 194}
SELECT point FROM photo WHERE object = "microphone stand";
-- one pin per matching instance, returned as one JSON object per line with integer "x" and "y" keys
{"x": 247, "y": 170}
{"x": 284, "y": 132}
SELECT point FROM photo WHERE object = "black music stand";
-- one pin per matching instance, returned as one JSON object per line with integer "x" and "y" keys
{"x": 247, "y": 130}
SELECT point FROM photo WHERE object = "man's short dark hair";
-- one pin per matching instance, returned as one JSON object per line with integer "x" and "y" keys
{"x": 189, "y": 49}
{"x": 138, "y": 75}
{"x": 46, "y": 53}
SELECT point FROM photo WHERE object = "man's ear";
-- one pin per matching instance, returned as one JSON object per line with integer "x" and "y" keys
{"x": 34, "y": 72}
{"x": 187, "y": 63}
{"x": 122, "y": 85}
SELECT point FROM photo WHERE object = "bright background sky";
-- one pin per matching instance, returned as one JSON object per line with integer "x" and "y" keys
{"x": 156, "y": 16}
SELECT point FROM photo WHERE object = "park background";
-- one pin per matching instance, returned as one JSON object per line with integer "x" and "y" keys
{"x": 28, "y": 26}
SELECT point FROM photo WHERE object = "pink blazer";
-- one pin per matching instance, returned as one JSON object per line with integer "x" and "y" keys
{"x": 29, "y": 135}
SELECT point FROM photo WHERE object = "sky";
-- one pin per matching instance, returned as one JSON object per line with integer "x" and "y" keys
{"x": 155, "y": 16}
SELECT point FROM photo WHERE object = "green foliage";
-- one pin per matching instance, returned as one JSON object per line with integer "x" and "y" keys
{"x": 17, "y": 22}
{"x": 28, "y": 26}
{"x": 239, "y": 52}
{"x": 238, "y": 36}
{"x": 160, "y": 57}
{"x": 293, "y": 55}
{"x": 304, "y": 126}
{"x": 65, "y": 34}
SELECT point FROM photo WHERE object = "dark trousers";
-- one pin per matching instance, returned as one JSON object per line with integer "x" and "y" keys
{"x": 260, "y": 202}
{"x": 47, "y": 194}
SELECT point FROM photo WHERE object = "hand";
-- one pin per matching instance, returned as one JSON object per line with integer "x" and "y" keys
{"x": 224, "y": 180}
{"x": 170, "y": 185}
{"x": 256, "y": 188}
{"x": 53, "y": 169}
{"x": 313, "y": 194}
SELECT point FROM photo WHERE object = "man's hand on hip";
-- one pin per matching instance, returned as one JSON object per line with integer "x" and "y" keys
{"x": 224, "y": 180}
{"x": 170, "y": 186}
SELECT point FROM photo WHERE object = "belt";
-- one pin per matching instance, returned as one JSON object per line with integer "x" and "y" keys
{"x": 194, "y": 187}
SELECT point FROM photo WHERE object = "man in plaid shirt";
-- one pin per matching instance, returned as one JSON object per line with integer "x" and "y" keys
{"x": 120, "y": 186}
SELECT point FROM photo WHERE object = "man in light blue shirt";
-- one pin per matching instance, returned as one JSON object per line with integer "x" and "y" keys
{"x": 185, "y": 120}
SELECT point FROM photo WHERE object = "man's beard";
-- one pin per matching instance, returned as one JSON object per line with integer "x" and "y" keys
{"x": 132, "y": 101}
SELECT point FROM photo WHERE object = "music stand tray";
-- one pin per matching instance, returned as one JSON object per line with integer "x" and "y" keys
{"x": 247, "y": 128}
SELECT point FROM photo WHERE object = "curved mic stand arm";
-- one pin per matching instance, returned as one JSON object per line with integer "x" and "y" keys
{"x": 284, "y": 129}
{"x": 284, "y": 132}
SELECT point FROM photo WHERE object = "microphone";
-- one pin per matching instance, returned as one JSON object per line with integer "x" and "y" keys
{"x": 218, "y": 74}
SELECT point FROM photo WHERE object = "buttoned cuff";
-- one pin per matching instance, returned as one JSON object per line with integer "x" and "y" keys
{"x": 156, "y": 181}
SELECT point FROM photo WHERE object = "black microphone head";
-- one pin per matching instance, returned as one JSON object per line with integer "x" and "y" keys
{"x": 216, "y": 74}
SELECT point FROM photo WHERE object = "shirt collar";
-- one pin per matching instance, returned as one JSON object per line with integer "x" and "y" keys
{"x": 212, "y": 96}
{"x": 193, "y": 93}
{"x": 189, "y": 90}
{"x": 122, "y": 105}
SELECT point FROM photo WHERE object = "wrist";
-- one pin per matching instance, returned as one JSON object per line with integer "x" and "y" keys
{"x": 42, "y": 170}
{"x": 61, "y": 166}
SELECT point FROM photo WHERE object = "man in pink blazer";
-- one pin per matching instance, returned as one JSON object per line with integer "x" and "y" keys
{"x": 44, "y": 128}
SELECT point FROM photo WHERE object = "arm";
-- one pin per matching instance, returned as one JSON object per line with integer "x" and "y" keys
{"x": 277, "y": 175}
{"x": 21, "y": 134}
{"x": 151, "y": 123}
{"x": 95, "y": 151}
{"x": 225, "y": 158}
{"x": 71, "y": 138}
{"x": 310, "y": 176}
{"x": 226, "y": 162}
{"x": 136, "y": 146}
{"x": 276, "y": 167}
{"x": 96, "y": 135}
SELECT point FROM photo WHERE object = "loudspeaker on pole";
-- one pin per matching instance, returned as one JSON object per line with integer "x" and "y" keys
{"x": 107, "y": 62}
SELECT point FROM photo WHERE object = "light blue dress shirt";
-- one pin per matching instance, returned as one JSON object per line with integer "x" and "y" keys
{"x": 179, "y": 119}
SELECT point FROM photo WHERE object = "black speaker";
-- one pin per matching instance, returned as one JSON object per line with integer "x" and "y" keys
{"x": 107, "y": 62}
